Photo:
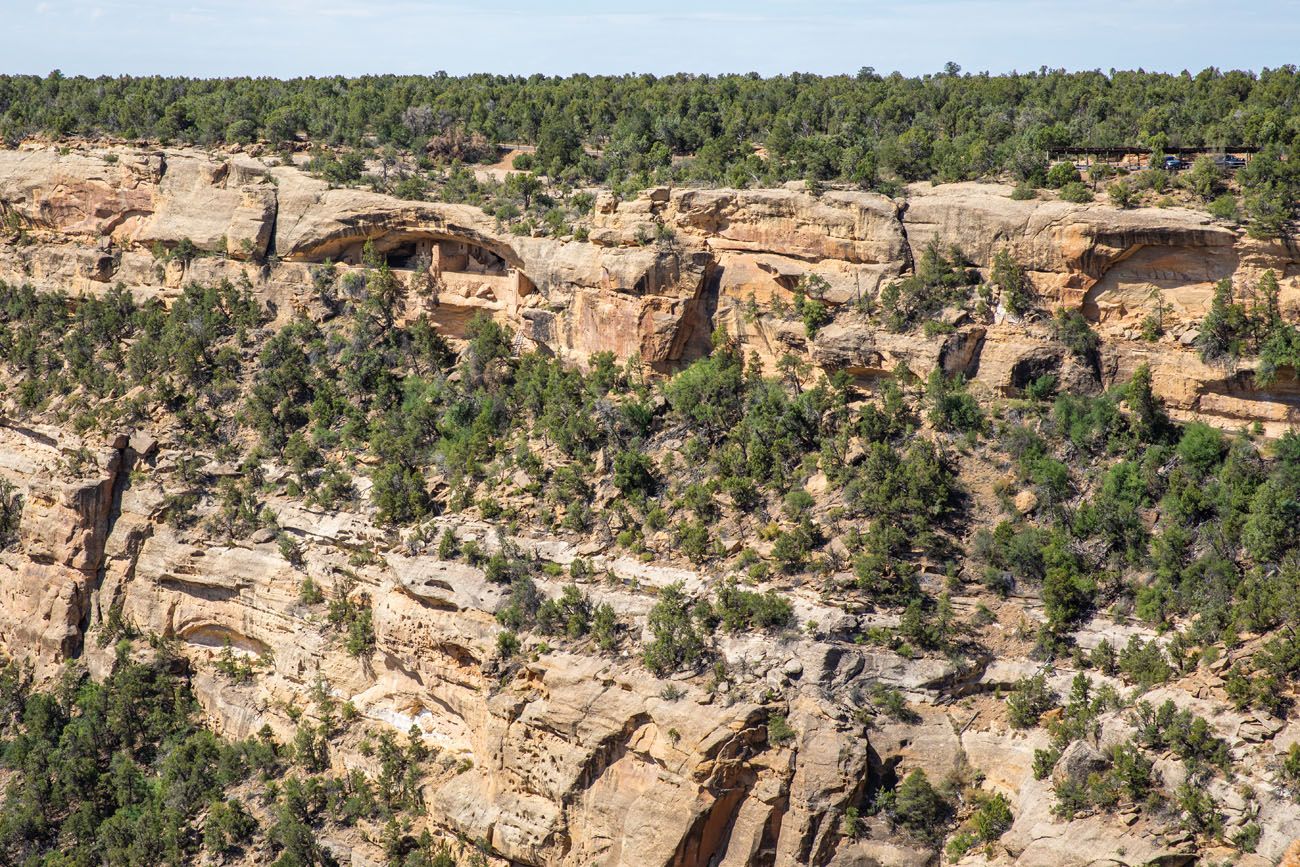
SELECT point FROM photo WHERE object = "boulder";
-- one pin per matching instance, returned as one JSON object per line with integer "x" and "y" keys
{"x": 1079, "y": 761}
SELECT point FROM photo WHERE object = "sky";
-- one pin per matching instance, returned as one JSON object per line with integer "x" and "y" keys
{"x": 286, "y": 38}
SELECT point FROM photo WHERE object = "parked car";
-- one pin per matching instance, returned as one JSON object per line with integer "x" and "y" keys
{"x": 1174, "y": 164}
{"x": 1228, "y": 161}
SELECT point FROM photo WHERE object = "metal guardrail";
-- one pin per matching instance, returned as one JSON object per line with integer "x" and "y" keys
{"x": 1207, "y": 150}
{"x": 1121, "y": 159}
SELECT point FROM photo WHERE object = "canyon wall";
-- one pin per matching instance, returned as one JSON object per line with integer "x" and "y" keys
{"x": 658, "y": 273}
{"x": 573, "y": 757}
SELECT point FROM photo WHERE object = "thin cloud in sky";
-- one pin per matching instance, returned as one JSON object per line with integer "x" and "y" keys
{"x": 350, "y": 37}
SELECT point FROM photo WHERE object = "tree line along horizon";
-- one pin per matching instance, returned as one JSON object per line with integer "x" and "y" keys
{"x": 873, "y": 130}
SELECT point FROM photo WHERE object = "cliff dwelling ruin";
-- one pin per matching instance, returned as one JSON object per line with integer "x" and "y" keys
{"x": 461, "y": 277}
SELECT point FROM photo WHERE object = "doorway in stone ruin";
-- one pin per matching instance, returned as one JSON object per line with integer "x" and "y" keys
{"x": 405, "y": 257}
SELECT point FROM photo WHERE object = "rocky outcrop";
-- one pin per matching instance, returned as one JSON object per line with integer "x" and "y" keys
{"x": 1057, "y": 237}
{"x": 80, "y": 194}
{"x": 98, "y": 215}
{"x": 67, "y": 493}
{"x": 659, "y": 272}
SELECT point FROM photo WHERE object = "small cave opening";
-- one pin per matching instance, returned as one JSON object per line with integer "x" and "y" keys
{"x": 1032, "y": 367}
{"x": 405, "y": 257}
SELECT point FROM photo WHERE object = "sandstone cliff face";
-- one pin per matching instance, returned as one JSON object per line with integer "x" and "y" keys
{"x": 728, "y": 253}
{"x": 62, "y": 535}
{"x": 574, "y": 758}
{"x": 577, "y": 758}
